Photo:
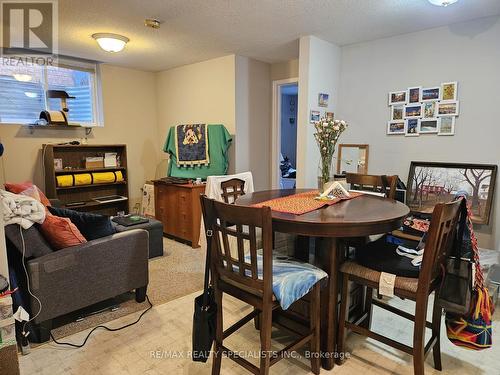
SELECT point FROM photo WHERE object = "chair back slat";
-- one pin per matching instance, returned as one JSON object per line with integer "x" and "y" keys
{"x": 376, "y": 183}
{"x": 240, "y": 223}
{"x": 441, "y": 238}
{"x": 232, "y": 189}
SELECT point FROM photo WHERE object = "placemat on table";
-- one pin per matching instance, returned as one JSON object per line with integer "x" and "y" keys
{"x": 301, "y": 203}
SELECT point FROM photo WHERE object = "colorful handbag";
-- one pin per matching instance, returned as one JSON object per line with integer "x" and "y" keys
{"x": 473, "y": 330}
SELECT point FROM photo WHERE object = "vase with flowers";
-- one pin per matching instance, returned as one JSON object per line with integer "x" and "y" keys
{"x": 327, "y": 134}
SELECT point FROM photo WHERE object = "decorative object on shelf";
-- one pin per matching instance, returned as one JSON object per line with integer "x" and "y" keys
{"x": 57, "y": 117}
{"x": 430, "y": 183}
{"x": 315, "y": 116}
{"x": 94, "y": 162}
{"x": 423, "y": 110}
{"x": 110, "y": 159}
{"x": 327, "y": 135}
{"x": 323, "y": 100}
{"x": 58, "y": 164}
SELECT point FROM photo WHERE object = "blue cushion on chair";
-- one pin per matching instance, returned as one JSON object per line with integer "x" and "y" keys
{"x": 292, "y": 279}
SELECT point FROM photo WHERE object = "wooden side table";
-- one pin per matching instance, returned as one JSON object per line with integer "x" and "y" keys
{"x": 178, "y": 208}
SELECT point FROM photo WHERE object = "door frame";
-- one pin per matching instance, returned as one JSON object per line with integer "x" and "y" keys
{"x": 276, "y": 129}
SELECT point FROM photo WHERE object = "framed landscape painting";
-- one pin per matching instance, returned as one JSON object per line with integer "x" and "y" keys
{"x": 430, "y": 183}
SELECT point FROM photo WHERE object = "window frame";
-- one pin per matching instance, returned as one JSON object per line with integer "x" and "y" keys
{"x": 92, "y": 67}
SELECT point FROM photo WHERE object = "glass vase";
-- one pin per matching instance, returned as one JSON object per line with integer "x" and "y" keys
{"x": 325, "y": 173}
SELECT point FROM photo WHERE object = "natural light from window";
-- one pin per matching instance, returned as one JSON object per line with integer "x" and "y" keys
{"x": 23, "y": 93}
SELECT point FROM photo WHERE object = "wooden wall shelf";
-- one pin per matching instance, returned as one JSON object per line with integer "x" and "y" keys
{"x": 73, "y": 156}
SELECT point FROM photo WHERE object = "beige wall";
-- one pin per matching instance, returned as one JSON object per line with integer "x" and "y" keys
{"x": 253, "y": 120}
{"x": 129, "y": 117}
{"x": 198, "y": 93}
{"x": 284, "y": 70}
{"x": 468, "y": 53}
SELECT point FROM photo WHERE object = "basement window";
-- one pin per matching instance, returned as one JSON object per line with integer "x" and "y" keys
{"x": 23, "y": 92}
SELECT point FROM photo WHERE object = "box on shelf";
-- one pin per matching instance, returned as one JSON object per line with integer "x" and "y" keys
{"x": 94, "y": 162}
{"x": 110, "y": 159}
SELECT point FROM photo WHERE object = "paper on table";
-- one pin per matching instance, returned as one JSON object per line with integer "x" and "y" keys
{"x": 337, "y": 190}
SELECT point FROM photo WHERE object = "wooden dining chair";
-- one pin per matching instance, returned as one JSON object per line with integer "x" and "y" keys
{"x": 441, "y": 236}
{"x": 376, "y": 183}
{"x": 249, "y": 278}
{"x": 232, "y": 189}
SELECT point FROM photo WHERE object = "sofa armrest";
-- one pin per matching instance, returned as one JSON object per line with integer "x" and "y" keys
{"x": 79, "y": 276}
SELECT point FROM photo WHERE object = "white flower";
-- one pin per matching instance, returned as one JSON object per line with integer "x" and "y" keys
{"x": 336, "y": 127}
{"x": 342, "y": 123}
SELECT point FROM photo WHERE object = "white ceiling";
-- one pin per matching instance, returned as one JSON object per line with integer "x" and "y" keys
{"x": 268, "y": 30}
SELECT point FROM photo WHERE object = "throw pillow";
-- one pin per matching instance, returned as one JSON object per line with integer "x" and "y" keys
{"x": 91, "y": 225}
{"x": 27, "y": 188}
{"x": 60, "y": 232}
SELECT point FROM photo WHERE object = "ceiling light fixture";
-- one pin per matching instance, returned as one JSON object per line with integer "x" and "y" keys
{"x": 21, "y": 77}
{"x": 111, "y": 42}
{"x": 442, "y": 3}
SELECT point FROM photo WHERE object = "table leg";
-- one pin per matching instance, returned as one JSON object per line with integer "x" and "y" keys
{"x": 327, "y": 257}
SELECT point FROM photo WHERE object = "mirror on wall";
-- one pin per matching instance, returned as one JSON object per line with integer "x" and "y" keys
{"x": 352, "y": 158}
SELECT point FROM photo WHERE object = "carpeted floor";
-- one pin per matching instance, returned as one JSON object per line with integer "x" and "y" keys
{"x": 177, "y": 273}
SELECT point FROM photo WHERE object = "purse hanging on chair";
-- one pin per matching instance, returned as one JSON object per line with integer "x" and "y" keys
{"x": 472, "y": 330}
{"x": 455, "y": 293}
{"x": 205, "y": 312}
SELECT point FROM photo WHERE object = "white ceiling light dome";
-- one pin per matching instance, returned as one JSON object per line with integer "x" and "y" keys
{"x": 442, "y": 3}
{"x": 111, "y": 42}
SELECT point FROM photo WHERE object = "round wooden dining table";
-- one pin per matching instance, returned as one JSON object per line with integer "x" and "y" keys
{"x": 358, "y": 217}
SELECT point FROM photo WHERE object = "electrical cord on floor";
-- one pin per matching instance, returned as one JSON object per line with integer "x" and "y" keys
{"x": 103, "y": 327}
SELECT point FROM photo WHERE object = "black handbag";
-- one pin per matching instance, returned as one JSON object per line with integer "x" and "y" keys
{"x": 455, "y": 293}
{"x": 205, "y": 314}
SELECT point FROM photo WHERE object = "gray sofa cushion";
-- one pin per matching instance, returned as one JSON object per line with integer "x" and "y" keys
{"x": 36, "y": 245}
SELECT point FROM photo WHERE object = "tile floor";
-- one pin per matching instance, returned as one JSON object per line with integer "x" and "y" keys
{"x": 159, "y": 343}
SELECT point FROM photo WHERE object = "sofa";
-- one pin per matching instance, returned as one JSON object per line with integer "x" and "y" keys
{"x": 76, "y": 277}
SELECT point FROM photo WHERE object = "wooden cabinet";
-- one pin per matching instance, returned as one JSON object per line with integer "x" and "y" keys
{"x": 178, "y": 208}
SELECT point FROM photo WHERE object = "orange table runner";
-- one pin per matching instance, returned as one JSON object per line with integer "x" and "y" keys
{"x": 301, "y": 203}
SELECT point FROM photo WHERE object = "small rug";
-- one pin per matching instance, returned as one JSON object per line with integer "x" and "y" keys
{"x": 177, "y": 273}
{"x": 301, "y": 203}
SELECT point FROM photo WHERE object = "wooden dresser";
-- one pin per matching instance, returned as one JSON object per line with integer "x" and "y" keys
{"x": 178, "y": 208}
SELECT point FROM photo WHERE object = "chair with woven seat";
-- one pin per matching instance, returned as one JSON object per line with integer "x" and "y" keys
{"x": 438, "y": 246}
{"x": 257, "y": 278}
{"x": 375, "y": 183}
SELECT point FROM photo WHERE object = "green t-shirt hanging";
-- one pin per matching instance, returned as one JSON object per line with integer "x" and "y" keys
{"x": 219, "y": 141}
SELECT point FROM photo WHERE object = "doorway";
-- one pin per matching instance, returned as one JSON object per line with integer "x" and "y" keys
{"x": 284, "y": 137}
